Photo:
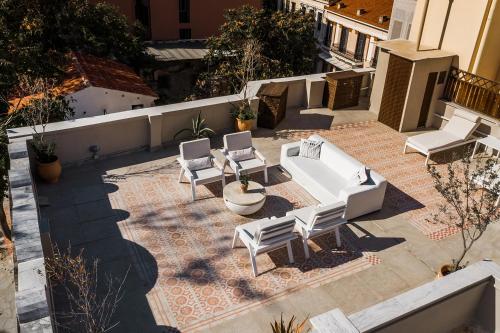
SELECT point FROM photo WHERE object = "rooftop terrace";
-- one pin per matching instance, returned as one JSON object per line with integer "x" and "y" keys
{"x": 129, "y": 211}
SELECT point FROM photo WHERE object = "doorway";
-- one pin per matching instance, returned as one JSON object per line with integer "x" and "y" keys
{"x": 426, "y": 102}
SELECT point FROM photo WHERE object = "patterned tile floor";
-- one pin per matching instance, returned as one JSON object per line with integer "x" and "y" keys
{"x": 198, "y": 279}
{"x": 411, "y": 191}
{"x": 131, "y": 211}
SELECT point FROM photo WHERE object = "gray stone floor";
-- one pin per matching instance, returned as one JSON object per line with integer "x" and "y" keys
{"x": 81, "y": 216}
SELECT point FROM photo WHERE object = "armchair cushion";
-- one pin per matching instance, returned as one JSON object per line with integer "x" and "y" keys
{"x": 242, "y": 154}
{"x": 310, "y": 149}
{"x": 199, "y": 163}
{"x": 360, "y": 177}
{"x": 274, "y": 228}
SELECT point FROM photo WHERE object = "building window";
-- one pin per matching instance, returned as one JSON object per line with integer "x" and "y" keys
{"x": 360, "y": 47}
{"x": 293, "y": 6}
{"x": 137, "y": 106}
{"x": 397, "y": 27}
{"x": 320, "y": 19}
{"x": 287, "y": 6}
{"x": 344, "y": 35}
{"x": 185, "y": 33}
{"x": 408, "y": 30}
{"x": 184, "y": 11}
{"x": 328, "y": 35}
{"x": 142, "y": 13}
{"x": 442, "y": 77}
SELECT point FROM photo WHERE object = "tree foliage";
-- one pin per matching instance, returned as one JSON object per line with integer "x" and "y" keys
{"x": 35, "y": 36}
{"x": 470, "y": 191}
{"x": 286, "y": 39}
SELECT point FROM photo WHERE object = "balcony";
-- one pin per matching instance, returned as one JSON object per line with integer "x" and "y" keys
{"x": 473, "y": 92}
{"x": 127, "y": 209}
{"x": 352, "y": 57}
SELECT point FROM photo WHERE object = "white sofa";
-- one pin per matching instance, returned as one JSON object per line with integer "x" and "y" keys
{"x": 329, "y": 179}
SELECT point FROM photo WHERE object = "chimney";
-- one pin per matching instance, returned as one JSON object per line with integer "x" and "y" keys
{"x": 360, "y": 11}
{"x": 382, "y": 19}
{"x": 340, "y": 5}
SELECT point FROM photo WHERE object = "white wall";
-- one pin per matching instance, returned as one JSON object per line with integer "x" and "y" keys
{"x": 95, "y": 101}
{"x": 402, "y": 12}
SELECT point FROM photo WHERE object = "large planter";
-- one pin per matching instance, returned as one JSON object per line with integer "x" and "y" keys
{"x": 444, "y": 270}
{"x": 244, "y": 125}
{"x": 50, "y": 172}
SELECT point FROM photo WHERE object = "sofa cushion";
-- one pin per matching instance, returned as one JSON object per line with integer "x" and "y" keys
{"x": 326, "y": 181}
{"x": 242, "y": 154}
{"x": 360, "y": 177}
{"x": 199, "y": 163}
{"x": 310, "y": 149}
{"x": 337, "y": 160}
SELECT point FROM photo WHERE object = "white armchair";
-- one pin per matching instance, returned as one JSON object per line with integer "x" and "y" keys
{"x": 198, "y": 165}
{"x": 241, "y": 156}
{"x": 266, "y": 235}
{"x": 315, "y": 221}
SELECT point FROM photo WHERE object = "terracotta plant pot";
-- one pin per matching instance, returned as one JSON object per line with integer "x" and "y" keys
{"x": 444, "y": 270}
{"x": 244, "y": 125}
{"x": 50, "y": 172}
{"x": 244, "y": 187}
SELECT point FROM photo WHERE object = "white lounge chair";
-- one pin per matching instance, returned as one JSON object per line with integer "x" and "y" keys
{"x": 457, "y": 132}
{"x": 198, "y": 165}
{"x": 493, "y": 185}
{"x": 242, "y": 157}
{"x": 266, "y": 235}
{"x": 315, "y": 221}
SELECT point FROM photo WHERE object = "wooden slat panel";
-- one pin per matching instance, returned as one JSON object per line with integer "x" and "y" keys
{"x": 395, "y": 90}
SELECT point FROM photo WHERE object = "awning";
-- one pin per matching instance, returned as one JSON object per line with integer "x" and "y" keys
{"x": 331, "y": 59}
{"x": 178, "y": 50}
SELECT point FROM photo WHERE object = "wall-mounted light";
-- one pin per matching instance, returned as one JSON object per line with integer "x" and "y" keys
{"x": 94, "y": 149}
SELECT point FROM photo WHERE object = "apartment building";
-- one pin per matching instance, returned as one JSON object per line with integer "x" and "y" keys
{"x": 451, "y": 61}
{"x": 352, "y": 29}
{"x": 401, "y": 18}
{"x": 346, "y": 30}
{"x": 179, "y": 19}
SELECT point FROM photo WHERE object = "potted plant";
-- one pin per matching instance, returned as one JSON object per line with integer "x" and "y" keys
{"x": 199, "y": 129}
{"x": 243, "y": 114}
{"x": 290, "y": 327}
{"x": 244, "y": 180}
{"x": 42, "y": 107}
{"x": 47, "y": 163}
{"x": 469, "y": 193}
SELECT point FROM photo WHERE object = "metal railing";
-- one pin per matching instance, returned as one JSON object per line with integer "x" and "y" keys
{"x": 474, "y": 92}
{"x": 346, "y": 54}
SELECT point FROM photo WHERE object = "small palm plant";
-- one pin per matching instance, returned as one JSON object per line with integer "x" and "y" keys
{"x": 290, "y": 327}
{"x": 199, "y": 129}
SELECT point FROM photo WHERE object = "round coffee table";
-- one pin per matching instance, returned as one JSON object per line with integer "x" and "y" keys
{"x": 244, "y": 203}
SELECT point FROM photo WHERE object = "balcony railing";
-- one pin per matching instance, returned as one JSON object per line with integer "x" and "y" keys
{"x": 473, "y": 92}
{"x": 346, "y": 54}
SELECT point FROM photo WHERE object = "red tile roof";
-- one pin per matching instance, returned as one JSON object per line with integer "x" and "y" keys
{"x": 87, "y": 70}
{"x": 373, "y": 9}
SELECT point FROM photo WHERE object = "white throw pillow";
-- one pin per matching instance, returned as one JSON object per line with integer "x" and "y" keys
{"x": 242, "y": 154}
{"x": 360, "y": 177}
{"x": 199, "y": 163}
{"x": 310, "y": 148}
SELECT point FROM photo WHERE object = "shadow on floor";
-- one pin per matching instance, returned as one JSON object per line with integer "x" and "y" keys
{"x": 396, "y": 202}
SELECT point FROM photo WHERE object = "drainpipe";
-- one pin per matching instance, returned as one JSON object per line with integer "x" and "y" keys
{"x": 483, "y": 37}
{"x": 422, "y": 24}
{"x": 445, "y": 24}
